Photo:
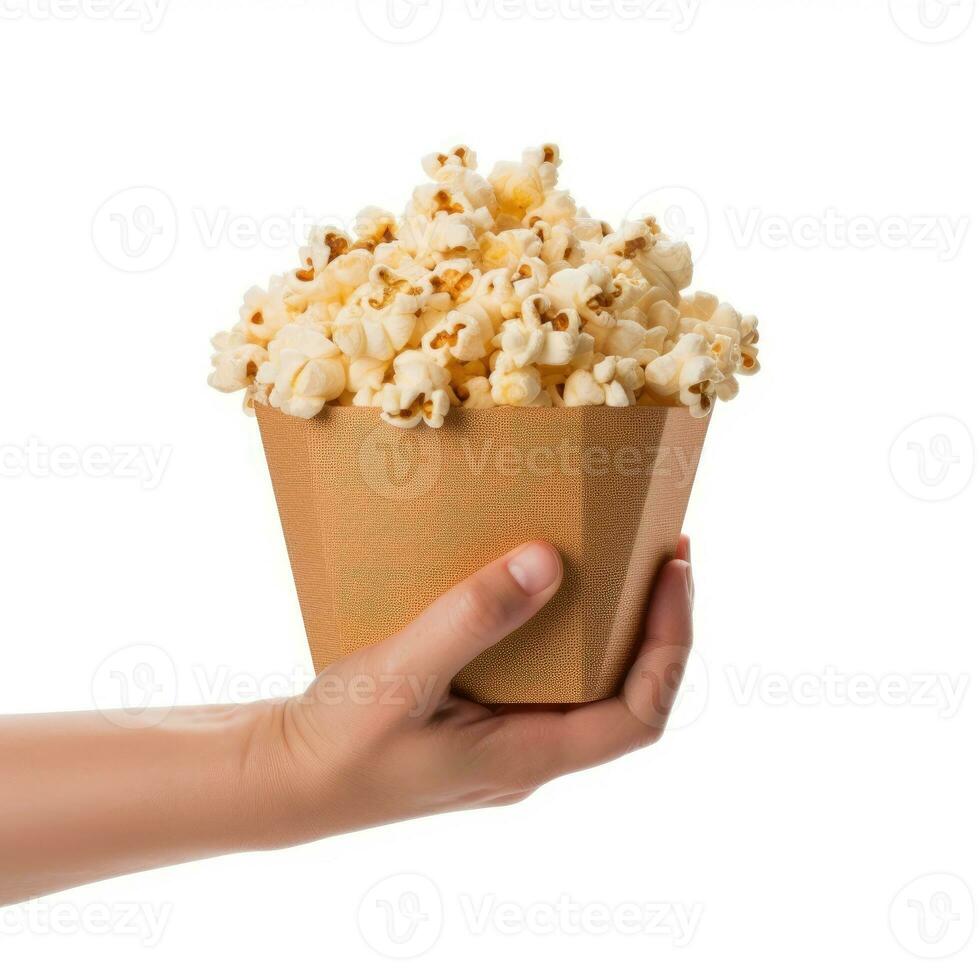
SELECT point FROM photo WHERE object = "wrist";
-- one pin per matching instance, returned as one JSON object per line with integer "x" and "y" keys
{"x": 283, "y": 800}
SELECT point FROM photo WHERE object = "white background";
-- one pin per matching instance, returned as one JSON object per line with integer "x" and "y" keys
{"x": 793, "y": 827}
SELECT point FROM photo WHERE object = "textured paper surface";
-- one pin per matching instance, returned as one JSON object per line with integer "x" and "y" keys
{"x": 380, "y": 521}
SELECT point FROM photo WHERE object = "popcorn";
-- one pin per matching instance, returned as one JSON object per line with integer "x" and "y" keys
{"x": 264, "y": 314}
{"x": 436, "y": 164}
{"x": 374, "y": 227}
{"x": 509, "y": 248}
{"x": 537, "y": 337}
{"x": 511, "y": 384}
{"x": 521, "y": 187}
{"x": 305, "y": 369}
{"x": 688, "y": 373}
{"x": 418, "y": 394}
{"x": 479, "y": 394}
{"x": 614, "y": 381}
{"x": 487, "y": 292}
{"x": 236, "y": 362}
{"x": 459, "y": 336}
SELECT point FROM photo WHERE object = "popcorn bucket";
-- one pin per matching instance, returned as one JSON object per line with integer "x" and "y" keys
{"x": 379, "y": 521}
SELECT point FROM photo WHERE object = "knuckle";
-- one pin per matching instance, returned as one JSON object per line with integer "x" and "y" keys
{"x": 650, "y": 737}
{"x": 478, "y": 612}
{"x": 511, "y": 799}
{"x": 529, "y": 774}
{"x": 648, "y": 732}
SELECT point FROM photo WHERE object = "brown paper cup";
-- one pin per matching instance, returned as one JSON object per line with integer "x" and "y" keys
{"x": 380, "y": 521}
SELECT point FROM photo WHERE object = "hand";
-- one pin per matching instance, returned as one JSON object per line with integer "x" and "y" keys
{"x": 380, "y": 737}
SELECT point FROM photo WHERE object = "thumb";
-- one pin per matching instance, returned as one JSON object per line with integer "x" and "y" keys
{"x": 476, "y": 614}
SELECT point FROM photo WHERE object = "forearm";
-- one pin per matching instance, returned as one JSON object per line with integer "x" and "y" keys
{"x": 84, "y": 798}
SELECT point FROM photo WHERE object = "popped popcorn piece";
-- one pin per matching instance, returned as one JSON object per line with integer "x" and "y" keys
{"x": 374, "y": 227}
{"x": 514, "y": 385}
{"x": 486, "y": 292}
{"x": 589, "y": 290}
{"x": 432, "y": 240}
{"x": 305, "y": 369}
{"x": 457, "y": 278}
{"x": 560, "y": 249}
{"x": 418, "y": 393}
{"x": 521, "y": 187}
{"x": 540, "y": 336}
{"x": 479, "y": 394}
{"x": 436, "y": 164}
{"x": 365, "y": 379}
{"x": 263, "y": 313}
{"x": 460, "y": 337}
{"x": 236, "y": 362}
{"x": 614, "y": 382}
{"x": 508, "y": 249}
{"x": 688, "y": 373}
{"x": 558, "y": 209}
{"x": 461, "y": 374}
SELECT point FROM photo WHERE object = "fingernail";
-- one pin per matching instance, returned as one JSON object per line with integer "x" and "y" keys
{"x": 534, "y": 568}
{"x": 689, "y": 575}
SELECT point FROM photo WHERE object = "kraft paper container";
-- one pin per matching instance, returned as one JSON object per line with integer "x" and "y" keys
{"x": 379, "y": 521}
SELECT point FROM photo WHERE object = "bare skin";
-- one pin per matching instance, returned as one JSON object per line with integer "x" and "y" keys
{"x": 83, "y": 798}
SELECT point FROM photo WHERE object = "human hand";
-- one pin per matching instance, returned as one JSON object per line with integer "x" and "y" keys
{"x": 380, "y": 737}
